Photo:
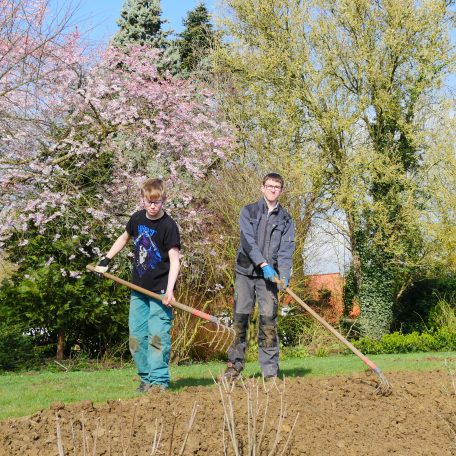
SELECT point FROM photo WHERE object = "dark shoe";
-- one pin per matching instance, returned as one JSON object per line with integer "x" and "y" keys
{"x": 230, "y": 374}
{"x": 270, "y": 378}
{"x": 143, "y": 387}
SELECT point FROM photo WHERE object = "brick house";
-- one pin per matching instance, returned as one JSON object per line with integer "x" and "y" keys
{"x": 326, "y": 295}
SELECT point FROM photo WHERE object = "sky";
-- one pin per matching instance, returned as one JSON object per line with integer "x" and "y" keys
{"x": 96, "y": 19}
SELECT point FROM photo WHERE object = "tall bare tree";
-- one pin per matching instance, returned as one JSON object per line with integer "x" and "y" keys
{"x": 343, "y": 96}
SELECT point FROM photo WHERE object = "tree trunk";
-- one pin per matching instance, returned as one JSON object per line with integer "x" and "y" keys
{"x": 356, "y": 260}
{"x": 60, "y": 344}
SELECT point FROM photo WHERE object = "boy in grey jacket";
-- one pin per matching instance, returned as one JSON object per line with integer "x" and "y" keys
{"x": 265, "y": 254}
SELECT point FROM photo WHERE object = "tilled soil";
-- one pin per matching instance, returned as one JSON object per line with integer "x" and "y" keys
{"x": 334, "y": 416}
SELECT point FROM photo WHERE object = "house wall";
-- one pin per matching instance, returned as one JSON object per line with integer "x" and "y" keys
{"x": 326, "y": 295}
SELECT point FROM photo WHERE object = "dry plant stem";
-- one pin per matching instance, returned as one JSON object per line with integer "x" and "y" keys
{"x": 225, "y": 449}
{"x": 233, "y": 425}
{"x": 94, "y": 452}
{"x": 267, "y": 388}
{"x": 282, "y": 414}
{"x": 279, "y": 425}
{"x": 290, "y": 435}
{"x": 452, "y": 376}
{"x": 59, "y": 436}
{"x": 281, "y": 389}
{"x": 122, "y": 439}
{"x": 170, "y": 452}
{"x": 110, "y": 443}
{"x": 228, "y": 412}
{"x": 133, "y": 419}
{"x": 251, "y": 421}
{"x": 157, "y": 438}
{"x": 256, "y": 408}
{"x": 190, "y": 425}
{"x": 85, "y": 444}
{"x": 247, "y": 389}
{"x": 73, "y": 438}
{"x": 253, "y": 413}
{"x": 263, "y": 427}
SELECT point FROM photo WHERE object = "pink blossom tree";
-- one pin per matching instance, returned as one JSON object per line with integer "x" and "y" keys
{"x": 35, "y": 49}
{"x": 78, "y": 141}
{"x": 141, "y": 122}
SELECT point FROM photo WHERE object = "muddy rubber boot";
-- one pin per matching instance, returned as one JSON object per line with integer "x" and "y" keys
{"x": 270, "y": 379}
{"x": 230, "y": 374}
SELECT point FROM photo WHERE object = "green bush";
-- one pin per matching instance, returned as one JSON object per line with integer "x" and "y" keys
{"x": 23, "y": 356}
{"x": 292, "y": 326}
{"x": 90, "y": 312}
{"x": 416, "y": 309}
{"x": 440, "y": 340}
{"x": 298, "y": 351}
{"x": 443, "y": 314}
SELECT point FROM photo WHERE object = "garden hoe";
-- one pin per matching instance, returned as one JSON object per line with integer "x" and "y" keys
{"x": 383, "y": 388}
{"x": 223, "y": 335}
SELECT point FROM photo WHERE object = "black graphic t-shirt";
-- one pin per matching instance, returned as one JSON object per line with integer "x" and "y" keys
{"x": 152, "y": 241}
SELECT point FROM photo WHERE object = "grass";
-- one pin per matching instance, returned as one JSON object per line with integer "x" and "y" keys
{"x": 26, "y": 393}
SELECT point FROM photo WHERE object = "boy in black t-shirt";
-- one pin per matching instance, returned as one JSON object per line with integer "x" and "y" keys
{"x": 155, "y": 267}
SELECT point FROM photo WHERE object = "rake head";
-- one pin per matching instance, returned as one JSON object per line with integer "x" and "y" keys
{"x": 384, "y": 387}
{"x": 221, "y": 336}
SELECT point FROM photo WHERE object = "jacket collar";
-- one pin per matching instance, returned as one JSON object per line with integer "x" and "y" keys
{"x": 264, "y": 206}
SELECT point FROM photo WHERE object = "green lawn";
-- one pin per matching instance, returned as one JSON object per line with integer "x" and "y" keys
{"x": 23, "y": 394}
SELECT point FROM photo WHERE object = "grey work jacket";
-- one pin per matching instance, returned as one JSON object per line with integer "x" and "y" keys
{"x": 265, "y": 238}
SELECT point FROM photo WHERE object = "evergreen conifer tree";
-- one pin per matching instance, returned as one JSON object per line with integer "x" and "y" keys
{"x": 141, "y": 23}
{"x": 197, "y": 39}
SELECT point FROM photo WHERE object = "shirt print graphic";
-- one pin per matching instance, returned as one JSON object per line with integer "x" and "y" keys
{"x": 147, "y": 255}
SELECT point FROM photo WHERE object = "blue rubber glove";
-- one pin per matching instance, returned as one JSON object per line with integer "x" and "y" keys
{"x": 269, "y": 273}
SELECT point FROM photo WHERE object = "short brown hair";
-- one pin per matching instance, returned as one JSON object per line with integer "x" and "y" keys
{"x": 153, "y": 189}
{"x": 275, "y": 177}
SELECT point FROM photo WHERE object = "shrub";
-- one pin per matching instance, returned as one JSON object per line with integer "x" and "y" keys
{"x": 415, "y": 310}
{"x": 24, "y": 356}
{"x": 440, "y": 340}
{"x": 301, "y": 336}
{"x": 292, "y": 326}
{"x": 298, "y": 351}
{"x": 443, "y": 315}
{"x": 43, "y": 302}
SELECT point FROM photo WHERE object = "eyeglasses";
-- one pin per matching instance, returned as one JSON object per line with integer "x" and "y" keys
{"x": 273, "y": 187}
{"x": 152, "y": 203}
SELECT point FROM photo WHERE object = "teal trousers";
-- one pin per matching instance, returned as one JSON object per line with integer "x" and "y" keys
{"x": 149, "y": 325}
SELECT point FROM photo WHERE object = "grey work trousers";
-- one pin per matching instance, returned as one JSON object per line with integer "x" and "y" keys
{"x": 246, "y": 291}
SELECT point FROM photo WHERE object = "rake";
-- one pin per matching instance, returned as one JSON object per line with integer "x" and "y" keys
{"x": 383, "y": 387}
{"x": 222, "y": 335}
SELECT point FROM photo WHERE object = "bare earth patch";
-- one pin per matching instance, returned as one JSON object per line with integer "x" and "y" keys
{"x": 337, "y": 416}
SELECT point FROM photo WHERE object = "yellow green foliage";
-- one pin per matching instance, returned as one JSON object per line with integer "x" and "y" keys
{"x": 345, "y": 99}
